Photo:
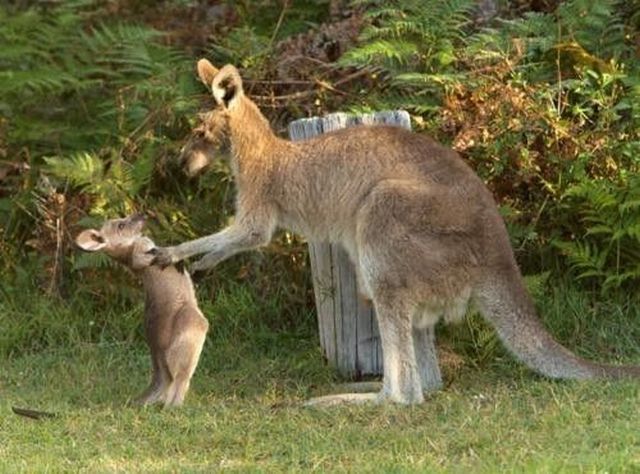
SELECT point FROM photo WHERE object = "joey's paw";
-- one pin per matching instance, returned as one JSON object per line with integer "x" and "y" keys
{"x": 163, "y": 256}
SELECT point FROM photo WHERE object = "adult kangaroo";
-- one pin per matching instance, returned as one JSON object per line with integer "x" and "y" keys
{"x": 421, "y": 228}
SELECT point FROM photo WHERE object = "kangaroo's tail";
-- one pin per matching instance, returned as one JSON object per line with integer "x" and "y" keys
{"x": 504, "y": 302}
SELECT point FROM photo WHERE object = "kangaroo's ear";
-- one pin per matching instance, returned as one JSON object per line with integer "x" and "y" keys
{"x": 206, "y": 72}
{"x": 91, "y": 240}
{"x": 227, "y": 86}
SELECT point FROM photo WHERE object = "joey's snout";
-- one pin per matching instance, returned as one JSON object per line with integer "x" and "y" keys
{"x": 136, "y": 223}
{"x": 139, "y": 219}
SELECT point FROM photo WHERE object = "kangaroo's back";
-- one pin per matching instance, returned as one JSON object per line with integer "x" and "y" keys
{"x": 320, "y": 184}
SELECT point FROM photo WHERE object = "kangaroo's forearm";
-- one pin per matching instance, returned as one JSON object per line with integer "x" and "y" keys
{"x": 213, "y": 258}
{"x": 224, "y": 244}
{"x": 209, "y": 243}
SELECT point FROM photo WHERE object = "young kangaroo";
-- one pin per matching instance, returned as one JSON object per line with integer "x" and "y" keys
{"x": 174, "y": 325}
{"x": 421, "y": 228}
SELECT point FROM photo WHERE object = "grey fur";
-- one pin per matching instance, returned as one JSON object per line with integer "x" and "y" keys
{"x": 175, "y": 328}
{"x": 421, "y": 228}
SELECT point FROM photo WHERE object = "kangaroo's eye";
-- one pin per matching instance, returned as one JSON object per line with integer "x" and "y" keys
{"x": 121, "y": 226}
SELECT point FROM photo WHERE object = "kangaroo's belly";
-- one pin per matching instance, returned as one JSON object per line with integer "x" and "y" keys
{"x": 317, "y": 227}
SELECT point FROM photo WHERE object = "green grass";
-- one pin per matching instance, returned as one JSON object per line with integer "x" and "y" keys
{"x": 243, "y": 412}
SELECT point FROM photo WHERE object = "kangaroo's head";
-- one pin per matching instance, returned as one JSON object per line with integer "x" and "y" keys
{"x": 226, "y": 87}
{"x": 202, "y": 146}
{"x": 234, "y": 116}
{"x": 122, "y": 240}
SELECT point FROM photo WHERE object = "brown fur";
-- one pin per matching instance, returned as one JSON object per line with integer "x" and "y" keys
{"x": 421, "y": 228}
{"x": 175, "y": 328}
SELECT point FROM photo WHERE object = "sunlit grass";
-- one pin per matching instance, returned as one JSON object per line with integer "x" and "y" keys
{"x": 243, "y": 412}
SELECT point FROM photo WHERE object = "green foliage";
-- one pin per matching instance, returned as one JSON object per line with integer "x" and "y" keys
{"x": 68, "y": 86}
{"x": 414, "y": 45}
{"x": 97, "y": 110}
{"x": 597, "y": 26}
{"x": 609, "y": 250}
{"x": 114, "y": 188}
{"x": 250, "y": 44}
{"x": 244, "y": 47}
{"x": 93, "y": 108}
{"x": 297, "y": 16}
{"x": 539, "y": 104}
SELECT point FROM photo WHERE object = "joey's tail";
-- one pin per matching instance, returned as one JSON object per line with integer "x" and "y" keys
{"x": 505, "y": 303}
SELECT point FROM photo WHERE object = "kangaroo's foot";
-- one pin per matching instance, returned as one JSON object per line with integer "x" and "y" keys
{"x": 360, "y": 387}
{"x": 155, "y": 393}
{"x": 349, "y": 393}
{"x": 343, "y": 399}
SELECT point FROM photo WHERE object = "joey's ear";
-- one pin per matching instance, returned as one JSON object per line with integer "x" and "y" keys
{"x": 227, "y": 86}
{"x": 206, "y": 72}
{"x": 91, "y": 240}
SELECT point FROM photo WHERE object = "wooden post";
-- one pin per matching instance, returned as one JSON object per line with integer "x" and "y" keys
{"x": 348, "y": 329}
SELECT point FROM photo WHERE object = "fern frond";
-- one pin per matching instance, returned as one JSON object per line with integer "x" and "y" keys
{"x": 80, "y": 170}
{"x": 139, "y": 173}
{"x": 95, "y": 260}
{"x": 381, "y": 52}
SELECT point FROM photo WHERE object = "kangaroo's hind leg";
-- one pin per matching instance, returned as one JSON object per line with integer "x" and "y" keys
{"x": 427, "y": 358}
{"x": 402, "y": 382}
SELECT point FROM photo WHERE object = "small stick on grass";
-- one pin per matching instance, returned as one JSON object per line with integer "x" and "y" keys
{"x": 33, "y": 414}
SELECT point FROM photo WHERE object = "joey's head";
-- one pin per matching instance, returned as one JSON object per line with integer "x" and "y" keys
{"x": 122, "y": 240}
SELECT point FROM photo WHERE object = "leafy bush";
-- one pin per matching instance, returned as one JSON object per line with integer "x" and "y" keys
{"x": 609, "y": 251}
{"x": 413, "y": 43}
{"x": 94, "y": 112}
{"x": 539, "y": 104}
{"x": 92, "y": 108}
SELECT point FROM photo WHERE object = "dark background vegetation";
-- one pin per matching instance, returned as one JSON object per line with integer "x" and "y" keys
{"x": 97, "y": 97}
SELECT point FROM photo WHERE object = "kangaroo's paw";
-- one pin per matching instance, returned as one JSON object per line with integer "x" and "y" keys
{"x": 343, "y": 399}
{"x": 164, "y": 256}
{"x": 210, "y": 260}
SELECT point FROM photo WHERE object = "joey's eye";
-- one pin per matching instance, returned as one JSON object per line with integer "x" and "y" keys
{"x": 121, "y": 226}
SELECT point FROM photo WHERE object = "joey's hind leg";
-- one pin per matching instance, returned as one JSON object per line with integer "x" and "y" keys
{"x": 182, "y": 359}
{"x": 159, "y": 382}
